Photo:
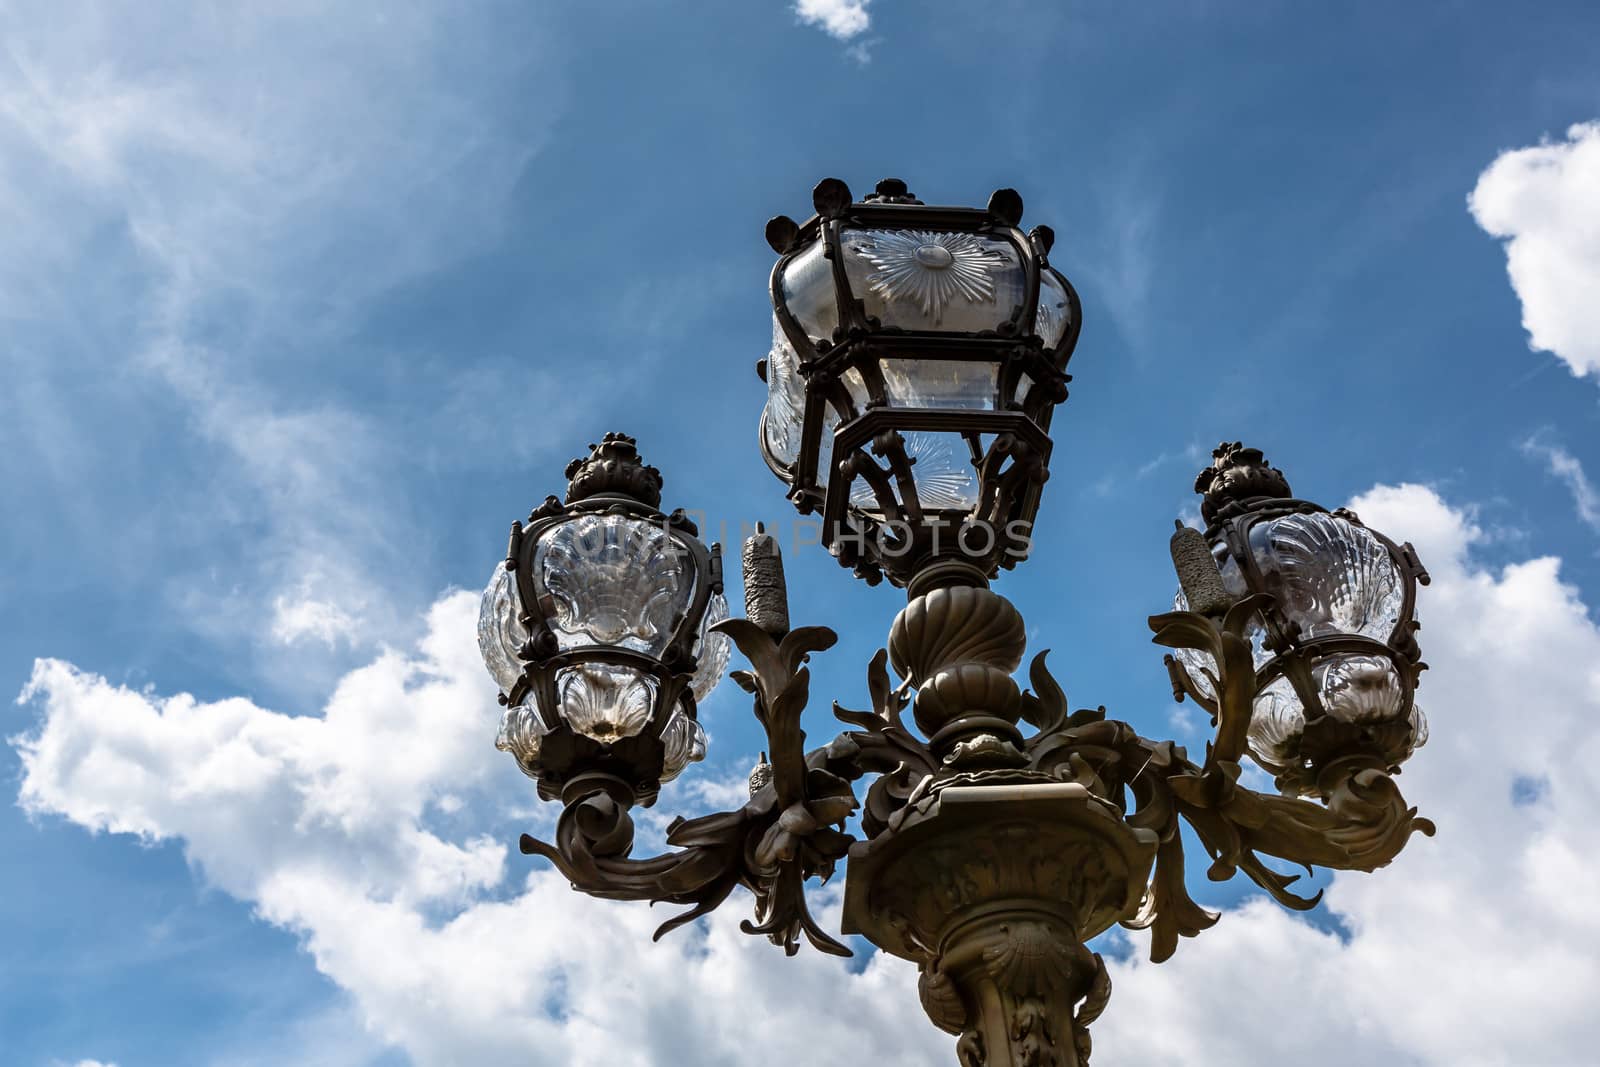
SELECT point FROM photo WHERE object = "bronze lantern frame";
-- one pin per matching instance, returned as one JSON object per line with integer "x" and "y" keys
{"x": 1003, "y": 830}
{"x": 1009, "y": 438}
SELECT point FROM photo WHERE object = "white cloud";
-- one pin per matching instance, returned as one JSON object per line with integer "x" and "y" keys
{"x": 322, "y": 823}
{"x": 841, "y": 19}
{"x": 1544, "y": 201}
{"x": 1481, "y": 923}
{"x": 273, "y": 171}
{"x": 1565, "y": 466}
{"x": 294, "y": 619}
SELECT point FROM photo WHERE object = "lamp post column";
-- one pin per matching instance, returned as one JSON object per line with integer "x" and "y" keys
{"x": 994, "y": 872}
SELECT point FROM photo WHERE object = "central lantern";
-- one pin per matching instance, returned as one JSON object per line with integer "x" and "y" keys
{"x": 917, "y": 355}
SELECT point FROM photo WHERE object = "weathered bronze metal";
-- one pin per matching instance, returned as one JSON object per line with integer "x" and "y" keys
{"x": 849, "y": 376}
{"x": 1003, "y": 831}
{"x": 990, "y": 856}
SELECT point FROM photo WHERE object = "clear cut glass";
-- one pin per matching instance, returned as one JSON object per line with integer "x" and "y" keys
{"x": 1419, "y": 728}
{"x": 614, "y": 580}
{"x": 685, "y": 742}
{"x": 1054, "y": 313}
{"x": 1360, "y": 689}
{"x": 712, "y": 649}
{"x": 500, "y": 629}
{"x": 522, "y": 732}
{"x": 1277, "y": 722}
{"x": 940, "y": 383}
{"x": 856, "y": 386}
{"x": 783, "y": 419}
{"x": 942, "y": 466}
{"x": 809, "y": 292}
{"x": 931, "y": 280}
{"x": 604, "y": 702}
{"x": 1329, "y": 575}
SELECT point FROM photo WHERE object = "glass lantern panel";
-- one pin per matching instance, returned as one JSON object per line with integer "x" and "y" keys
{"x": 1277, "y": 722}
{"x": 614, "y": 580}
{"x": 500, "y": 629}
{"x": 1419, "y": 728}
{"x": 856, "y": 387}
{"x": 931, "y": 280}
{"x": 1054, "y": 313}
{"x": 943, "y": 470}
{"x": 685, "y": 741}
{"x": 1330, "y": 575}
{"x": 809, "y": 292}
{"x": 711, "y": 649}
{"x": 1024, "y": 385}
{"x": 940, "y": 383}
{"x": 522, "y": 732}
{"x": 605, "y": 702}
{"x": 783, "y": 419}
{"x": 1358, "y": 688}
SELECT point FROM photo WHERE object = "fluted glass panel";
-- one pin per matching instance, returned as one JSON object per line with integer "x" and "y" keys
{"x": 712, "y": 649}
{"x": 604, "y": 702}
{"x": 500, "y": 629}
{"x": 685, "y": 742}
{"x": 809, "y": 292}
{"x": 941, "y": 464}
{"x": 614, "y": 580}
{"x": 522, "y": 731}
{"x": 782, "y": 421}
{"x": 856, "y": 387}
{"x": 1024, "y": 384}
{"x": 940, "y": 383}
{"x": 1361, "y": 689}
{"x": 1054, "y": 313}
{"x": 1329, "y": 575}
{"x": 928, "y": 280}
{"x": 1277, "y": 722}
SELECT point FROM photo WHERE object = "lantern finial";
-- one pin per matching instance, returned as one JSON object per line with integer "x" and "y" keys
{"x": 1237, "y": 474}
{"x": 613, "y": 467}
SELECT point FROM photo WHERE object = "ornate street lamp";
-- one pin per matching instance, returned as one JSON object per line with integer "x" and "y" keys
{"x": 918, "y": 353}
{"x": 597, "y": 628}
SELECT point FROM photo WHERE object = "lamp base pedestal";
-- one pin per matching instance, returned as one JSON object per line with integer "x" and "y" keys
{"x": 992, "y": 883}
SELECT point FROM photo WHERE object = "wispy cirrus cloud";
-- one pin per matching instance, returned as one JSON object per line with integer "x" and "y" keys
{"x": 261, "y": 178}
{"x": 1567, "y": 469}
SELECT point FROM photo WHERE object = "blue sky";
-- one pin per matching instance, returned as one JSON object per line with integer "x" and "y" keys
{"x": 299, "y": 309}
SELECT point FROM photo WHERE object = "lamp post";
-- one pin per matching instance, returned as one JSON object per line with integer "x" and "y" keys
{"x": 918, "y": 354}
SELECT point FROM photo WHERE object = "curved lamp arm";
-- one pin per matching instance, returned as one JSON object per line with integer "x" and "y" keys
{"x": 790, "y": 830}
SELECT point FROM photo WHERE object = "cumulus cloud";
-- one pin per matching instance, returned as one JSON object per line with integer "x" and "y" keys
{"x": 1544, "y": 202}
{"x": 841, "y": 19}
{"x": 1477, "y": 946}
{"x": 323, "y": 823}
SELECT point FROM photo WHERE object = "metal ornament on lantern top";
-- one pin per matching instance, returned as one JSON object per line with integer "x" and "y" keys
{"x": 1003, "y": 830}
{"x": 597, "y": 628}
{"x": 918, "y": 353}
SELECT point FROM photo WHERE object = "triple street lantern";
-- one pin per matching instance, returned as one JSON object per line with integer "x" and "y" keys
{"x": 918, "y": 354}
